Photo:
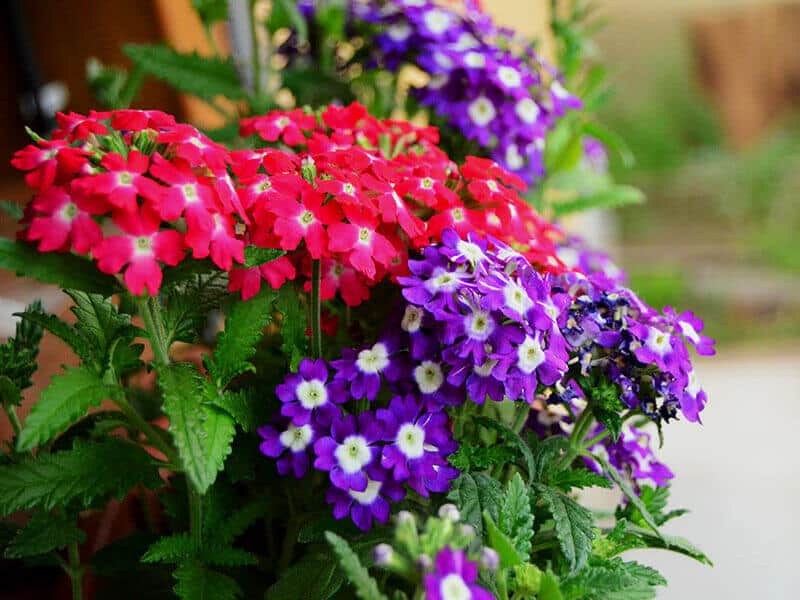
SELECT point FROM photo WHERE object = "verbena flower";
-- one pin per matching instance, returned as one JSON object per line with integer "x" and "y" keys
{"x": 351, "y": 447}
{"x": 289, "y": 444}
{"x": 631, "y": 453}
{"x": 454, "y": 578}
{"x": 371, "y": 503}
{"x": 308, "y": 394}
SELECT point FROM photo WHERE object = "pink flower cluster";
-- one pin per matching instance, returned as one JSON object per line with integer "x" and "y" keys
{"x": 137, "y": 191}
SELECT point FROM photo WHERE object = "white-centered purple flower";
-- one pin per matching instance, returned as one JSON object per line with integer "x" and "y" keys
{"x": 371, "y": 503}
{"x": 308, "y": 394}
{"x": 454, "y": 578}
{"x": 289, "y": 444}
{"x": 351, "y": 447}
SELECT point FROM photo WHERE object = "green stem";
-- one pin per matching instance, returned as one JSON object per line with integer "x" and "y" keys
{"x": 598, "y": 438}
{"x": 582, "y": 425}
{"x": 150, "y": 309}
{"x": 196, "y": 517}
{"x": 14, "y": 418}
{"x": 316, "y": 309}
{"x": 521, "y": 417}
{"x": 75, "y": 571}
{"x": 148, "y": 430}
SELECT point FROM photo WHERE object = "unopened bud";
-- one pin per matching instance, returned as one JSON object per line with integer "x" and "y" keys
{"x": 424, "y": 562}
{"x": 467, "y": 530}
{"x": 449, "y": 512}
{"x": 404, "y": 517}
{"x": 383, "y": 554}
{"x": 489, "y": 559}
{"x": 309, "y": 169}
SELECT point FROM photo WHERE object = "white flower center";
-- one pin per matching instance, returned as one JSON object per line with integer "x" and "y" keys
{"x": 509, "y": 76}
{"x": 368, "y": 496}
{"x": 399, "y": 31}
{"x": 364, "y": 236}
{"x": 312, "y": 394}
{"x": 658, "y": 341}
{"x": 529, "y": 355}
{"x": 411, "y": 440}
{"x": 479, "y": 325}
{"x": 475, "y": 60}
{"x": 437, "y": 21}
{"x": 472, "y": 252}
{"x": 143, "y": 246}
{"x": 689, "y": 331}
{"x": 297, "y": 438}
{"x": 124, "y": 178}
{"x": 373, "y": 360}
{"x": 517, "y": 298}
{"x": 527, "y": 111}
{"x": 412, "y": 319}
{"x": 428, "y": 376}
{"x": 693, "y": 388}
{"x": 481, "y": 111}
{"x": 306, "y": 218}
{"x": 453, "y": 587}
{"x": 514, "y": 159}
{"x": 353, "y": 454}
{"x": 485, "y": 369}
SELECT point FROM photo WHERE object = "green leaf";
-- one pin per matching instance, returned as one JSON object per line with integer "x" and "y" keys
{"x": 315, "y": 577}
{"x": 10, "y": 394}
{"x": 68, "y": 397}
{"x": 612, "y": 140}
{"x": 612, "y": 579}
{"x": 238, "y": 404}
{"x": 474, "y": 493}
{"x": 255, "y": 256}
{"x": 516, "y": 517}
{"x": 87, "y": 472}
{"x": 563, "y": 148}
{"x": 211, "y": 11}
{"x": 365, "y": 586}
{"x": 63, "y": 331}
{"x": 236, "y": 344}
{"x": 293, "y": 325}
{"x": 170, "y": 549}
{"x": 204, "y": 77}
{"x": 514, "y": 439}
{"x": 629, "y": 492}
{"x": 573, "y": 525}
{"x": 189, "y": 299}
{"x": 668, "y": 542}
{"x": 196, "y": 582}
{"x": 202, "y": 434}
{"x": 64, "y": 270}
{"x": 479, "y": 458}
{"x": 45, "y": 532}
{"x": 549, "y": 589}
{"x": 579, "y": 477}
{"x": 506, "y": 550}
{"x": 655, "y": 499}
{"x": 545, "y": 456}
{"x": 615, "y": 196}
{"x": 12, "y": 209}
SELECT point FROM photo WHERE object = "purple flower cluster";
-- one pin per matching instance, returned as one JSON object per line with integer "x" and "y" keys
{"x": 643, "y": 351}
{"x": 478, "y": 83}
{"x": 632, "y": 454}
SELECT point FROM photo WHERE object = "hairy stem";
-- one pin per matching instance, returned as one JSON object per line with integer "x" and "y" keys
{"x": 196, "y": 517}
{"x": 316, "y": 309}
{"x": 521, "y": 416}
{"x": 148, "y": 430}
{"x": 150, "y": 310}
{"x": 13, "y": 417}
{"x": 75, "y": 571}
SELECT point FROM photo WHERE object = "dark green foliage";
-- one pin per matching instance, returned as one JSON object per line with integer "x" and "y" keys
{"x": 357, "y": 575}
{"x": 44, "y": 532}
{"x": 502, "y": 544}
{"x": 573, "y": 525}
{"x": 196, "y": 582}
{"x": 211, "y": 11}
{"x": 516, "y": 517}
{"x": 477, "y": 458}
{"x": 18, "y": 358}
{"x": 293, "y": 325}
{"x": 579, "y": 477}
{"x": 86, "y": 473}
{"x": 625, "y": 485}
{"x": 64, "y": 270}
{"x": 192, "y": 297}
{"x": 474, "y": 493}
{"x": 613, "y": 579}
{"x": 255, "y": 256}
{"x": 316, "y": 577}
{"x": 513, "y": 439}
{"x": 200, "y": 76}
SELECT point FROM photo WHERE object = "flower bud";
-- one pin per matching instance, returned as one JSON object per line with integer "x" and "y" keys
{"x": 383, "y": 554}
{"x": 449, "y": 512}
{"x": 309, "y": 169}
{"x": 404, "y": 517}
{"x": 467, "y": 530}
{"x": 489, "y": 559}
{"x": 424, "y": 562}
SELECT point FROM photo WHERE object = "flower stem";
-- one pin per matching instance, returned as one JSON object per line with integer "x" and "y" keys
{"x": 316, "y": 309}
{"x": 150, "y": 310}
{"x": 14, "y": 419}
{"x": 196, "y": 517}
{"x": 75, "y": 571}
{"x": 148, "y": 430}
{"x": 521, "y": 416}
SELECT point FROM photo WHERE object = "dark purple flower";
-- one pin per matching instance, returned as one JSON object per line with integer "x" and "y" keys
{"x": 289, "y": 444}
{"x": 349, "y": 450}
{"x": 454, "y": 578}
{"x": 631, "y": 454}
{"x": 371, "y": 503}
{"x": 308, "y": 394}
{"x": 419, "y": 442}
{"x": 361, "y": 370}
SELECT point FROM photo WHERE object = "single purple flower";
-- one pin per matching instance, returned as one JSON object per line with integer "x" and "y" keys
{"x": 371, "y": 503}
{"x": 349, "y": 450}
{"x": 289, "y": 444}
{"x": 308, "y": 394}
{"x": 454, "y": 578}
{"x": 361, "y": 370}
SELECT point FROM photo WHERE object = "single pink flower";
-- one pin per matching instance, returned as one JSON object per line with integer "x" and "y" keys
{"x": 304, "y": 220}
{"x": 122, "y": 181}
{"x": 64, "y": 224}
{"x": 360, "y": 242}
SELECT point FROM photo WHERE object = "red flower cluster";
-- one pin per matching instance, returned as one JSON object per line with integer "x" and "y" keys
{"x": 137, "y": 190}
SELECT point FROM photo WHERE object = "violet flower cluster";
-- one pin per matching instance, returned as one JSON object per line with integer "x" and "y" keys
{"x": 483, "y": 81}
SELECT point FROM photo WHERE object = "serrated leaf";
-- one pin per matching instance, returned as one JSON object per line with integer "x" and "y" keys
{"x": 196, "y": 582}
{"x": 578, "y": 478}
{"x": 236, "y": 344}
{"x": 45, "y": 532}
{"x": 549, "y": 588}
{"x": 255, "y": 256}
{"x": 86, "y": 472}
{"x": 514, "y": 439}
{"x": 202, "y": 434}
{"x": 479, "y": 458}
{"x": 204, "y": 77}
{"x": 170, "y": 549}
{"x": 237, "y": 404}
{"x": 574, "y": 525}
{"x": 293, "y": 325}
{"x": 63, "y": 331}
{"x": 613, "y": 579}
{"x": 473, "y": 493}
{"x": 615, "y": 196}
{"x": 10, "y": 394}
{"x": 68, "y": 397}
{"x": 505, "y": 548}
{"x": 668, "y": 542}
{"x": 545, "y": 456}
{"x": 12, "y": 209}
{"x": 63, "y": 270}
{"x": 629, "y": 492}
{"x": 315, "y": 577}
{"x": 516, "y": 517}
{"x": 366, "y": 587}
{"x": 189, "y": 300}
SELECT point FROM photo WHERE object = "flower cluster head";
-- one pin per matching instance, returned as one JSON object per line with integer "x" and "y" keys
{"x": 633, "y": 454}
{"x": 136, "y": 191}
{"x": 482, "y": 80}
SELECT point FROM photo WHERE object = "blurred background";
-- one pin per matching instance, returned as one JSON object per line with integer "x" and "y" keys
{"x": 707, "y": 95}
